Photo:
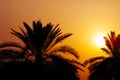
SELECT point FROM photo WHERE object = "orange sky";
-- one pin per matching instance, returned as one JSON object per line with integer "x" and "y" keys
{"x": 83, "y": 18}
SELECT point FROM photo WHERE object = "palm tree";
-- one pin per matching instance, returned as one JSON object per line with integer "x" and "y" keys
{"x": 39, "y": 41}
{"x": 40, "y": 46}
{"x": 106, "y": 68}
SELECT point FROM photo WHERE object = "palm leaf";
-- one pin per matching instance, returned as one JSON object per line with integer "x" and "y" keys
{"x": 112, "y": 36}
{"x": 24, "y": 33}
{"x": 11, "y": 44}
{"x": 29, "y": 32}
{"x": 77, "y": 64}
{"x": 55, "y": 32}
{"x": 66, "y": 49}
{"x": 99, "y": 65}
{"x": 93, "y": 67}
{"x": 37, "y": 28}
{"x": 9, "y": 54}
{"x": 24, "y": 39}
{"x": 72, "y": 62}
{"x": 106, "y": 51}
{"x": 46, "y": 32}
{"x": 62, "y": 37}
{"x": 19, "y": 35}
{"x": 58, "y": 39}
{"x": 108, "y": 44}
{"x": 91, "y": 60}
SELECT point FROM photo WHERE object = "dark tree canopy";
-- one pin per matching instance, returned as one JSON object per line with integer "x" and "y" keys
{"x": 106, "y": 68}
{"x": 39, "y": 57}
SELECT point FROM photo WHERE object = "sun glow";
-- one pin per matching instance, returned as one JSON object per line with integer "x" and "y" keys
{"x": 99, "y": 41}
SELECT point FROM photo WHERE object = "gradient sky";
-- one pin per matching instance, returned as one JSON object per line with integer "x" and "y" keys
{"x": 84, "y": 18}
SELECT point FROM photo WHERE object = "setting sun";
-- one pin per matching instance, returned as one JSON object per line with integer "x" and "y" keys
{"x": 99, "y": 41}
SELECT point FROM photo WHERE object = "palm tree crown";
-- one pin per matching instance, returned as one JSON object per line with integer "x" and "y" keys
{"x": 106, "y": 68}
{"x": 39, "y": 42}
{"x": 39, "y": 47}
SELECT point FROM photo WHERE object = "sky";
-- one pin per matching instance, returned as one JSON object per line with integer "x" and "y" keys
{"x": 84, "y": 18}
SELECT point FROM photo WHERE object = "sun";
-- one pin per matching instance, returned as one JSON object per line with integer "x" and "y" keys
{"x": 99, "y": 40}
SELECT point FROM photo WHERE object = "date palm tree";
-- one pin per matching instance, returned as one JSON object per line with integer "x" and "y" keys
{"x": 106, "y": 68}
{"x": 41, "y": 46}
{"x": 39, "y": 41}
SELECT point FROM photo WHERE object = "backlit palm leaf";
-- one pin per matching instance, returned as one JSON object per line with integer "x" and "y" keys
{"x": 92, "y": 60}
{"x": 106, "y": 51}
{"x": 106, "y": 68}
{"x": 10, "y": 44}
{"x": 66, "y": 49}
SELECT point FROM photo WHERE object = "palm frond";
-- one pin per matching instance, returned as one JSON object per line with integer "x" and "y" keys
{"x": 92, "y": 68}
{"x": 11, "y": 44}
{"x": 100, "y": 65}
{"x": 77, "y": 64}
{"x": 108, "y": 44}
{"x": 72, "y": 62}
{"x": 10, "y": 54}
{"x": 58, "y": 39}
{"x": 44, "y": 40}
{"x": 29, "y": 32}
{"x": 112, "y": 36}
{"x": 62, "y": 37}
{"x": 66, "y": 49}
{"x": 37, "y": 28}
{"x": 23, "y": 38}
{"x": 106, "y": 51}
{"x": 91, "y": 60}
{"x": 46, "y": 32}
{"x": 24, "y": 33}
{"x": 19, "y": 35}
{"x": 56, "y": 31}
{"x": 117, "y": 42}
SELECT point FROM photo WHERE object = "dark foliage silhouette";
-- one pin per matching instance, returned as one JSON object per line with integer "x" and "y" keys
{"x": 39, "y": 41}
{"x": 106, "y": 68}
{"x": 39, "y": 51}
{"x": 59, "y": 69}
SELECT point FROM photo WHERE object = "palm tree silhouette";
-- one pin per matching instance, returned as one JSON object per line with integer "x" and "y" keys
{"x": 38, "y": 42}
{"x": 40, "y": 47}
{"x": 106, "y": 68}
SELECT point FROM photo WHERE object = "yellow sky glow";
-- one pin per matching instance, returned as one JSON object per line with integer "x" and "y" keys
{"x": 83, "y": 18}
